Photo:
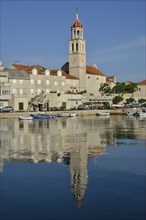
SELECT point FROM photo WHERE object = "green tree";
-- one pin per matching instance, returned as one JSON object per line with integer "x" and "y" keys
{"x": 119, "y": 88}
{"x": 130, "y": 100}
{"x": 131, "y": 88}
{"x": 105, "y": 88}
{"x": 117, "y": 99}
{"x": 141, "y": 101}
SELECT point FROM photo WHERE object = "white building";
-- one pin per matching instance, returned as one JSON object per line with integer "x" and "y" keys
{"x": 24, "y": 86}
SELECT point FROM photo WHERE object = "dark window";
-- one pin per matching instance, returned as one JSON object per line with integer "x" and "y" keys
{"x": 20, "y": 105}
{"x": 78, "y": 33}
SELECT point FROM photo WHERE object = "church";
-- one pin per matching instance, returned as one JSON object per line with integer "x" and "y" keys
{"x": 90, "y": 78}
{"x": 27, "y": 86}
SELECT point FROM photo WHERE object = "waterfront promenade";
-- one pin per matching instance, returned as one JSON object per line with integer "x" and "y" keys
{"x": 78, "y": 112}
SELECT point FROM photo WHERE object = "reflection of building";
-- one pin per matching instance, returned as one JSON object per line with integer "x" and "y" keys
{"x": 70, "y": 141}
{"x": 62, "y": 140}
{"x": 45, "y": 140}
{"x": 79, "y": 175}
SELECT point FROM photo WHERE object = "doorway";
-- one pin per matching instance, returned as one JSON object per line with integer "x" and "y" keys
{"x": 21, "y": 106}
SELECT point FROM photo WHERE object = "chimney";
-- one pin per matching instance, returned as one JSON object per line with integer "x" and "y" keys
{"x": 47, "y": 72}
{"x": 94, "y": 65}
{"x": 59, "y": 73}
{"x": 34, "y": 71}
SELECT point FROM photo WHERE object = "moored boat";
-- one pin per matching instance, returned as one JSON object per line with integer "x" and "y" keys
{"x": 64, "y": 114}
{"x": 103, "y": 113}
{"x": 67, "y": 114}
{"x": 25, "y": 118}
{"x": 142, "y": 114}
{"x": 72, "y": 114}
{"x": 45, "y": 116}
{"x": 34, "y": 115}
{"x": 42, "y": 116}
{"x": 137, "y": 114}
{"x": 132, "y": 114}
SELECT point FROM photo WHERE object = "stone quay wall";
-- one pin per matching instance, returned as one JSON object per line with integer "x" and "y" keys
{"x": 4, "y": 115}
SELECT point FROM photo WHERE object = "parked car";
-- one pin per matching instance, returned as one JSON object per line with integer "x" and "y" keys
{"x": 143, "y": 105}
{"x": 6, "y": 109}
{"x": 82, "y": 107}
{"x": 131, "y": 105}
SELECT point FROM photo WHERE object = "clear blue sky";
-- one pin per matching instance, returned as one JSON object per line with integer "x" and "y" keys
{"x": 38, "y": 32}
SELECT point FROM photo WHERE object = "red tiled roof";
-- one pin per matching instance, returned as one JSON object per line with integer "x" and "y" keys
{"x": 142, "y": 82}
{"x": 41, "y": 71}
{"x": 77, "y": 23}
{"x": 94, "y": 71}
{"x": 68, "y": 76}
{"x": 24, "y": 67}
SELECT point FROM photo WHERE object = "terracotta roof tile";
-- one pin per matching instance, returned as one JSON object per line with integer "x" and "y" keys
{"x": 142, "y": 82}
{"x": 77, "y": 23}
{"x": 25, "y": 67}
{"x": 42, "y": 71}
{"x": 94, "y": 71}
{"x": 68, "y": 76}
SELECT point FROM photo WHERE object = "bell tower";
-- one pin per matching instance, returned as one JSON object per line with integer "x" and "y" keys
{"x": 77, "y": 53}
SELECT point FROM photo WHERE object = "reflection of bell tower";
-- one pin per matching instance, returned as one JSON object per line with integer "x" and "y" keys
{"x": 77, "y": 53}
{"x": 79, "y": 176}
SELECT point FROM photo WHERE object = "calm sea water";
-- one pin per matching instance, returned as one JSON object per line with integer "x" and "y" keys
{"x": 73, "y": 168}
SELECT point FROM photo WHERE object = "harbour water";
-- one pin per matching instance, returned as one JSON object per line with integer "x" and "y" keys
{"x": 76, "y": 168}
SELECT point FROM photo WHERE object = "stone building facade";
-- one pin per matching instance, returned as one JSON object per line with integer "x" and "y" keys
{"x": 77, "y": 53}
{"x": 28, "y": 86}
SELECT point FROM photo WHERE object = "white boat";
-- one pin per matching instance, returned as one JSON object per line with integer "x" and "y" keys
{"x": 67, "y": 114}
{"x": 25, "y": 118}
{"x": 72, "y": 114}
{"x": 142, "y": 114}
{"x": 137, "y": 114}
{"x": 103, "y": 113}
{"x": 64, "y": 114}
{"x": 117, "y": 106}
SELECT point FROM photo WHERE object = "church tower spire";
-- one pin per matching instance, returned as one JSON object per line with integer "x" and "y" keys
{"x": 76, "y": 13}
{"x": 77, "y": 53}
